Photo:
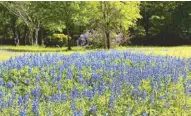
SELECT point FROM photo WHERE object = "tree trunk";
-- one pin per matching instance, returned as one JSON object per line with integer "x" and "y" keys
{"x": 147, "y": 26}
{"x": 18, "y": 33}
{"x": 107, "y": 40}
{"x": 6, "y": 33}
{"x": 25, "y": 35}
{"x": 14, "y": 32}
{"x": 42, "y": 36}
{"x": 32, "y": 38}
{"x": 69, "y": 45}
{"x": 147, "y": 33}
{"x": 13, "y": 21}
{"x": 36, "y": 35}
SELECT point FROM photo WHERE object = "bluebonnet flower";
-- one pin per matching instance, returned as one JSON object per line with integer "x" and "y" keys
{"x": 55, "y": 98}
{"x": 81, "y": 79}
{"x": 37, "y": 78}
{"x": 23, "y": 113}
{"x": 95, "y": 77}
{"x": 80, "y": 113}
{"x": 75, "y": 93}
{"x": 88, "y": 94}
{"x": 145, "y": 114}
{"x": 10, "y": 102}
{"x": 25, "y": 98}
{"x": 134, "y": 92}
{"x": 28, "y": 82}
{"x": 73, "y": 106}
{"x": 69, "y": 73}
{"x": 59, "y": 86}
{"x": 35, "y": 107}
{"x": 48, "y": 98}
{"x": 188, "y": 90}
{"x": 152, "y": 98}
{"x": 144, "y": 94}
{"x": 184, "y": 74}
{"x": 111, "y": 101}
{"x": 136, "y": 83}
{"x": 1, "y": 81}
{"x": 93, "y": 110}
{"x": 13, "y": 94}
{"x": 189, "y": 81}
{"x": 36, "y": 92}
{"x": 59, "y": 78}
{"x": 20, "y": 100}
{"x": 167, "y": 105}
{"x": 2, "y": 94}
{"x": 63, "y": 97}
{"x": 10, "y": 84}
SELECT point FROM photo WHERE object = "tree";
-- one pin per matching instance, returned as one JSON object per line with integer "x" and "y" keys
{"x": 69, "y": 16}
{"x": 181, "y": 19}
{"x": 32, "y": 14}
{"x": 114, "y": 16}
{"x": 157, "y": 17}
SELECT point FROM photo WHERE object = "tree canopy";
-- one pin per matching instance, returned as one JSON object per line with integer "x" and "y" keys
{"x": 141, "y": 22}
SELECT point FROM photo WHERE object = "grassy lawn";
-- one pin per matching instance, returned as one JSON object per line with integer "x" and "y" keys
{"x": 6, "y": 55}
{"x": 180, "y": 51}
{"x": 39, "y": 49}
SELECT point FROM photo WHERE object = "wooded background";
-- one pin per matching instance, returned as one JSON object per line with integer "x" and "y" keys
{"x": 140, "y": 23}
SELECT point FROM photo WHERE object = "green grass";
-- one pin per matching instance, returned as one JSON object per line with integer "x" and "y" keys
{"x": 178, "y": 51}
{"x": 38, "y": 49}
{"x": 7, "y": 51}
{"x": 7, "y": 55}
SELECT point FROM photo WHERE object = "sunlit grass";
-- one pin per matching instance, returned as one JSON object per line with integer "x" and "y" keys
{"x": 6, "y": 55}
{"x": 39, "y": 49}
{"x": 178, "y": 51}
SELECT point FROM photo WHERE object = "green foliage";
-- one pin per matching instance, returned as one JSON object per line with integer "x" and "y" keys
{"x": 34, "y": 21}
{"x": 114, "y": 16}
{"x": 98, "y": 39}
{"x": 57, "y": 40}
{"x": 168, "y": 19}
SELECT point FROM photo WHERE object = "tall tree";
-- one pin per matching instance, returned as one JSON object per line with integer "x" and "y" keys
{"x": 72, "y": 15}
{"x": 181, "y": 19}
{"x": 111, "y": 16}
{"x": 156, "y": 16}
{"x": 32, "y": 13}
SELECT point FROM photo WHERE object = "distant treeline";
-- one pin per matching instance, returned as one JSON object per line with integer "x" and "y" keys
{"x": 137, "y": 23}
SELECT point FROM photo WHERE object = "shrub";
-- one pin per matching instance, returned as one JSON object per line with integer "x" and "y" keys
{"x": 57, "y": 40}
{"x": 98, "y": 39}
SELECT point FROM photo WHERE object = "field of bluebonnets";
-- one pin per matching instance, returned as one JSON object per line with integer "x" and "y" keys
{"x": 100, "y": 83}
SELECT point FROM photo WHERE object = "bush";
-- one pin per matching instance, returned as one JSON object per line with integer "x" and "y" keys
{"x": 98, "y": 39}
{"x": 57, "y": 40}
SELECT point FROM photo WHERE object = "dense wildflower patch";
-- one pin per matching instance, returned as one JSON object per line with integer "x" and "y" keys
{"x": 98, "y": 83}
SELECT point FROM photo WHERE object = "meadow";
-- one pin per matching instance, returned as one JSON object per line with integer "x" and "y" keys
{"x": 10, "y": 51}
{"x": 126, "y": 81}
